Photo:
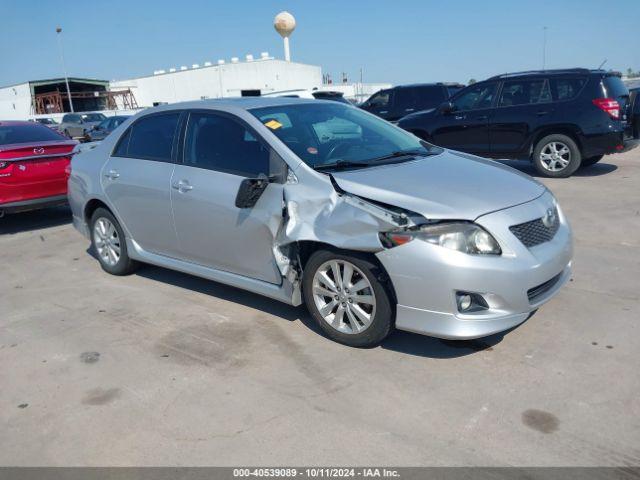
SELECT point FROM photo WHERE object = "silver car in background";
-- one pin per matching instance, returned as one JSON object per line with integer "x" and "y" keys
{"x": 323, "y": 203}
{"x": 77, "y": 125}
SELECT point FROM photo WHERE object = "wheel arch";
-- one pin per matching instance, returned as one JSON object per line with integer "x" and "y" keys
{"x": 91, "y": 206}
{"x": 570, "y": 131}
{"x": 306, "y": 248}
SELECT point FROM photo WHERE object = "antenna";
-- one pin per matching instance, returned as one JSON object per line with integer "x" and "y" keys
{"x": 602, "y": 64}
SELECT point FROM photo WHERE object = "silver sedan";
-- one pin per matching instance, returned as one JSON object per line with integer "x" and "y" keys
{"x": 322, "y": 203}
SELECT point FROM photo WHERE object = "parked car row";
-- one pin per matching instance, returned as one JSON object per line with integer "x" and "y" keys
{"x": 369, "y": 224}
{"x": 559, "y": 119}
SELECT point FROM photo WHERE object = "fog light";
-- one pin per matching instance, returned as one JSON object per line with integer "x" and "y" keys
{"x": 470, "y": 302}
{"x": 464, "y": 302}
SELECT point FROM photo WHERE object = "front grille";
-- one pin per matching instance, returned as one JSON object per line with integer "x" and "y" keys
{"x": 536, "y": 292}
{"x": 536, "y": 232}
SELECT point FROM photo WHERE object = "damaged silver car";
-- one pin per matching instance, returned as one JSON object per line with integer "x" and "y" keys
{"x": 323, "y": 203}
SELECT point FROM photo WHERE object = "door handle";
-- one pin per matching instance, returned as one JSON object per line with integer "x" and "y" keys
{"x": 182, "y": 186}
{"x": 409, "y": 109}
{"x": 542, "y": 113}
{"x": 112, "y": 174}
{"x": 383, "y": 111}
{"x": 460, "y": 117}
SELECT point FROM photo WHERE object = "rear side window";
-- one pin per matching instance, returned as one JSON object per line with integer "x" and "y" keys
{"x": 524, "y": 92}
{"x": 419, "y": 98}
{"x": 566, "y": 88}
{"x": 614, "y": 87}
{"x": 150, "y": 138}
{"x": 35, "y": 132}
{"x": 217, "y": 142}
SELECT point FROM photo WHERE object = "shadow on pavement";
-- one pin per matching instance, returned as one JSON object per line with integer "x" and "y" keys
{"x": 401, "y": 342}
{"x": 596, "y": 170}
{"x": 34, "y": 220}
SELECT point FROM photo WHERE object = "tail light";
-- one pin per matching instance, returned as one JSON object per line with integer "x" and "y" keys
{"x": 67, "y": 170}
{"x": 608, "y": 105}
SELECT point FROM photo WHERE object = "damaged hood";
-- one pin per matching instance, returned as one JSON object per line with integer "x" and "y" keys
{"x": 450, "y": 185}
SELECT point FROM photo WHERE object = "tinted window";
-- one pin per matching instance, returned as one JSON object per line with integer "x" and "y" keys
{"x": 123, "y": 144}
{"x": 476, "y": 97}
{"x": 73, "y": 118}
{"x": 26, "y": 134}
{"x": 566, "y": 88}
{"x": 524, "y": 92}
{"x": 152, "y": 137}
{"x": 216, "y": 142}
{"x": 419, "y": 98}
{"x": 614, "y": 87}
{"x": 380, "y": 99}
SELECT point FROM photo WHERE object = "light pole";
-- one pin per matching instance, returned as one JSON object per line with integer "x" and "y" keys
{"x": 544, "y": 47}
{"x": 64, "y": 68}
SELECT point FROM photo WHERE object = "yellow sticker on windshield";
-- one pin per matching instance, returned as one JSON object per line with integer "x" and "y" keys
{"x": 273, "y": 124}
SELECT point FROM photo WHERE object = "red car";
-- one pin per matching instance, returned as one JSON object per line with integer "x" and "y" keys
{"x": 33, "y": 166}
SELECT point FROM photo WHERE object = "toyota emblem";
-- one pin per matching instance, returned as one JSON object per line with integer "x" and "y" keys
{"x": 549, "y": 219}
{"x": 38, "y": 150}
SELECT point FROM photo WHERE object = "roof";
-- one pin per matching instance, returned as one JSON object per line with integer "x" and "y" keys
{"x": 560, "y": 71}
{"x": 240, "y": 103}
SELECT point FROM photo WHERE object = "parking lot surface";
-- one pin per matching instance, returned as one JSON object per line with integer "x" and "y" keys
{"x": 161, "y": 368}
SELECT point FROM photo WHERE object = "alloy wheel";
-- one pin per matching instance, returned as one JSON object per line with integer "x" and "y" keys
{"x": 555, "y": 156}
{"x": 107, "y": 241}
{"x": 344, "y": 296}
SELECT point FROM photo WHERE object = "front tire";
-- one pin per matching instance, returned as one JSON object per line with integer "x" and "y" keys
{"x": 108, "y": 241}
{"x": 587, "y": 162}
{"x": 347, "y": 298}
{"x": 556, "y": 156}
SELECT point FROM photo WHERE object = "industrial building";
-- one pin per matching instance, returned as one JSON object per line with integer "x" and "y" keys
{"x": 234, "y": 78}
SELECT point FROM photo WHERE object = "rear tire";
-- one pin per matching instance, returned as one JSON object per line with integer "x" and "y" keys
{"x": 587, "y": 162}
{"x": 355, "y": 309}
{"x": 108, "y": 242}
{"x": 556, "y": 156}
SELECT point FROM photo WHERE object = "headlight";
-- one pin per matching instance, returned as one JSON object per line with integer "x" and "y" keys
{"x": 463, "y": 237}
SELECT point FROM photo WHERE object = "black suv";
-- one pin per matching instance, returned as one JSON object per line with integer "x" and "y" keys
{"x": 560, "y": 119}
{"x": 394, "y": 103}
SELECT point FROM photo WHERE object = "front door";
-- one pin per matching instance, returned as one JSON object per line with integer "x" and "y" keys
{"x": 219, "y": 153}
{"x": 466, "y": 127}
{"x": 137, "y": 182}
{"x": 380, "y": 104}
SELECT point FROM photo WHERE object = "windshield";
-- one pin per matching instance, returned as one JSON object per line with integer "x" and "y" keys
{"x": 93, "y": 117}
{"x": 328, "y": 133}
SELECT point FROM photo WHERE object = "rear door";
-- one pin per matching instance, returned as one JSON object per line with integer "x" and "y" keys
{"x": 33, "y": 159}
{"x": 466, "y": 128}
{"x": 523, "y": 106}
{"x": 220, "y": 151}
{"x": 137, "y": 181}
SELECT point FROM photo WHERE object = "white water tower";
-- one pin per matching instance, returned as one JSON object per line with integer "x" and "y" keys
{"x": 285, "y": 24}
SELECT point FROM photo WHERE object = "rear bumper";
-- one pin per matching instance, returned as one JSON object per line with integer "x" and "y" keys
{"x": 33, "y": 204}
{"x": 612, "y": 142}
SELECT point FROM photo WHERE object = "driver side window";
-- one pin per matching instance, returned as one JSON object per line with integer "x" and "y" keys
{"x": 217, "y": 142}
{"x": 476, "y": 97}
{"x": 380, "y": 99}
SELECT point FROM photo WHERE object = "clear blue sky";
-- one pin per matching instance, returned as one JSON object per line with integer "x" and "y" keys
{"x": 393, "y": 41}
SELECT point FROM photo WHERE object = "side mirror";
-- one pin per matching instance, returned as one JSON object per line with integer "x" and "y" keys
{"x": 250, "y": 191}
{"x": 446, "y": 107}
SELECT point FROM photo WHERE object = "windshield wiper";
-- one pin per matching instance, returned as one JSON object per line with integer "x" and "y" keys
{"x": 340, "y": 164}
{"x": 401, "y": 154}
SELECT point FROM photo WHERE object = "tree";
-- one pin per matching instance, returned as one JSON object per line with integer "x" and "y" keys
{"x": 472, "y": 81}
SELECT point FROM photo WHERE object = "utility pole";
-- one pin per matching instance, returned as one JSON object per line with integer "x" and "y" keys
{"x": 544, "y": 47}
{"x": 64, "y": 68}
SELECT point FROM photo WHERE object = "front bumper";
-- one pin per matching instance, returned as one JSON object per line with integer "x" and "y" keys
{"x": 426, "y": 277}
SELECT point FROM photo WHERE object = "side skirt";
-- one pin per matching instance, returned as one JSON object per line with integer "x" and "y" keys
{"x": 284, "y": 293}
